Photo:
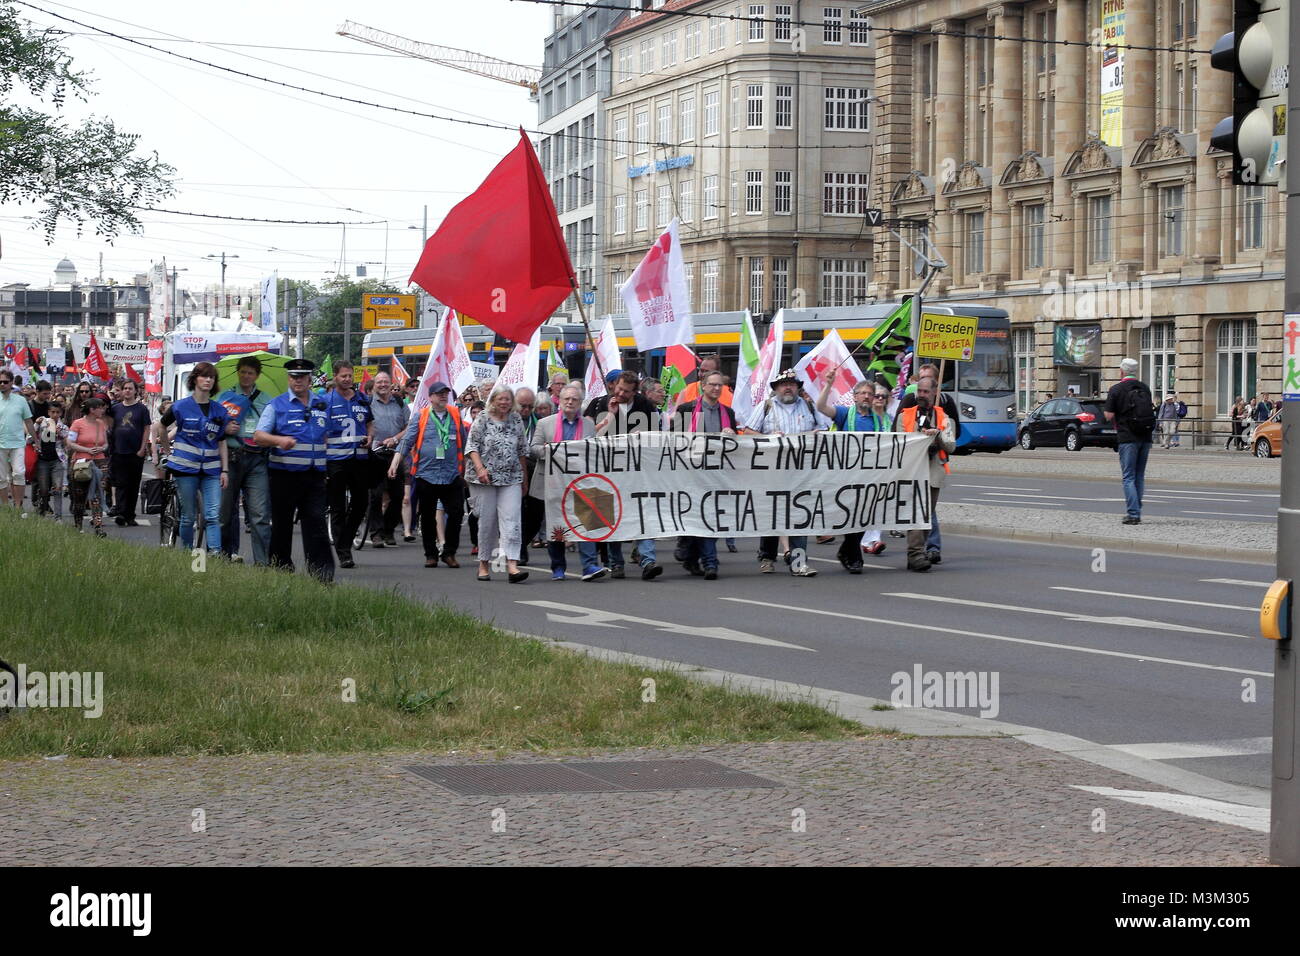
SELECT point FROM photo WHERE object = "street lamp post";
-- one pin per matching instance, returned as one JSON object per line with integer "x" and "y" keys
{"x": 224, "y": 304}
{"x": 175, "y": 298}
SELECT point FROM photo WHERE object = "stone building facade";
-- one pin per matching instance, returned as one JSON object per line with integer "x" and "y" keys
{"x": 755, "y": 132}
{"x": 1096, "y": 217}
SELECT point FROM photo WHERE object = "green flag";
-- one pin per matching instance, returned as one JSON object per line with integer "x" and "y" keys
{"x": 327, "y": 367}
{"x": 749, "y": 346}
{"x": 887, "y": 341}
{"x": 553, "y": 361}
{"x": 672, "y": 380}
{"x": 899, "y": 322}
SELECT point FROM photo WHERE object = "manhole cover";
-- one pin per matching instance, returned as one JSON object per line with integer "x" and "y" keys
{"x": 591, "y": 777}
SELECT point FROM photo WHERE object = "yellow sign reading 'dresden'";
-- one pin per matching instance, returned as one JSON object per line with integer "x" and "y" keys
{"x": 947, "y": 336}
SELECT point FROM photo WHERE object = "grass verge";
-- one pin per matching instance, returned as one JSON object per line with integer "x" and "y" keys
{"x": 237, "y": 659}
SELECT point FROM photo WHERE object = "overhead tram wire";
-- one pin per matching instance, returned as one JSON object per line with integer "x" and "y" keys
{"x": 287, "y": 222}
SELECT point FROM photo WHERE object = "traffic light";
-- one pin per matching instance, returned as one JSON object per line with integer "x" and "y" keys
{"x": 1255, "y": 53}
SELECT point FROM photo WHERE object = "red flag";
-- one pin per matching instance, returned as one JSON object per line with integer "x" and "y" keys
{"x": 132, "y": 374}
{"x": 399, "y": 373}
{"x": 499, "y": 255}
{"x": 95, "y": 366}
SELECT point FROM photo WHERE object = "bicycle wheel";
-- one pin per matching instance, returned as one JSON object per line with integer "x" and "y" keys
{"x": 169, "y": 519}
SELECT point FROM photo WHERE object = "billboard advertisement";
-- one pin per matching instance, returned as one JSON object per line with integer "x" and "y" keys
{"x": 1077, "y": 345}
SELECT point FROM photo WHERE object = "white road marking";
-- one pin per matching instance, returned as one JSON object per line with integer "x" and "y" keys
{"x": 1246, "y": 584}
{"x": 598, "y": 618}
{"x": 997, "y": 487}
{"x": 1230, "y": 514}
{"x": 1165, "y": 499}
{"x": 893, "y": 622}
{"x": 1008, "y": 494}
{"x": 1028, "y": 504}
{"x": 1151, "y": 597}
{"x": 1068, "y": 615}
{"x": 1179, "y": 750}
{"x": 1251, "y": 818}
{"x": 1235, "y": 494}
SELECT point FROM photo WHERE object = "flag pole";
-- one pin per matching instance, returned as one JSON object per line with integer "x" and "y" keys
{"x": 577, "y": 297}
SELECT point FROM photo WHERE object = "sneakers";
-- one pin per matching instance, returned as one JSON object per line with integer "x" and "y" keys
{"x": 933, "y": 557}
{"x": 766, "y": 566}
{"x": 345, "y": 560}
{"x": 557, "y": 575}
{"x": 237, "y": 559}
{"x": 710, "y": 574}
{"x": 617, "y": 572}
{"x": 650, "y": 572}
{"x": 594, "y": 575}
{"x": 851, "y": 566}
{"x": 876, "y": 547}
{"x": 804, "y": 572}
{"x": 1131, "y": 521}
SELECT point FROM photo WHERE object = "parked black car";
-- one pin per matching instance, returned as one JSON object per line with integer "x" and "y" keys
{"x": 1072, "y": 422}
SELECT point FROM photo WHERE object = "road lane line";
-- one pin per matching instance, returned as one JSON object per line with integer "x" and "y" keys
{"x": 1027, "y": 504}
{"x": 1229, "y": 514}
{"x": 1246, "y": 584}
{"x": 600, "y": 618}
{"x": 1234, "y": 814}
{"x": 1008, "y": 494}
{"x": 1235, "y": 494}
{"x": 996, "y": 487}
{"x": 1117, "y": 620}
{"x": 1184, "y": 750}
{"x": 893, "y": 622}
{"x": 1149, "y": 597}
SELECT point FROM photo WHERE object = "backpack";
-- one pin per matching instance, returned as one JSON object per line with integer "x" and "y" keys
{"x": 1140, "y": 416}
{"x": 1182, "y": 409}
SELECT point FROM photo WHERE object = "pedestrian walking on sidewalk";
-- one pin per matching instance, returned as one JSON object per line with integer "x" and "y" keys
{"x": 1129, "y": 407}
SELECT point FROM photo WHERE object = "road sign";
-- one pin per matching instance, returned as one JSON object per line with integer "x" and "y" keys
{"x": 875, "y": 217}
{"x": 388, "y": 312}
{"x": 947, "y": 336}
{"x": 588, "y": 298}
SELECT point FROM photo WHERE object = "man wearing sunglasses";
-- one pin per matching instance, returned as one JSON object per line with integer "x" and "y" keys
{"x": 15, "y": 429}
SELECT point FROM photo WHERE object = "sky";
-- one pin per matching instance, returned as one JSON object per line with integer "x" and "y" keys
{"x": 244, "y": 148}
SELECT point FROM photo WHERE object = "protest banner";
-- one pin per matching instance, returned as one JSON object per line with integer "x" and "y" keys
{"x": 830, "y": 353}
{"x": 658, "y": 298}
{"x": 520, "y": 370}
{"x": 652, "y": 484}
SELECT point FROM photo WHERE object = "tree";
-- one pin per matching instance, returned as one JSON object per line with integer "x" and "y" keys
{"x": 86, "y": 173}
{"x": 325, "y": 332}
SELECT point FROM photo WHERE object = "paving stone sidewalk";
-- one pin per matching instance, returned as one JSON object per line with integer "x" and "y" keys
{"x": 878, "y": 802}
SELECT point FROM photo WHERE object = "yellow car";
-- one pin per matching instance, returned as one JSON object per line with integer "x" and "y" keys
{"x": 1267, "y": 440}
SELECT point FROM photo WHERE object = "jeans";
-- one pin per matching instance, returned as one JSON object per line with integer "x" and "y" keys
{"x": 1133, "y": 465}
{"x": 646, "y": 546}
{"x": 49, "y": 486}
{"x": 918, "y": 542}
{"x": 189, "y": 488}
{"x": 586, "y": 551}
{"x": 933, "y": 540}
{"x": 248, "y": 474}
{"x": 767, "y": 546}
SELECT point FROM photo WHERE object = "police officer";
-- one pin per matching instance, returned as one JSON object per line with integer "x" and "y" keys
{"x": 347, "y": 454}
{"x": 294, "y": 427}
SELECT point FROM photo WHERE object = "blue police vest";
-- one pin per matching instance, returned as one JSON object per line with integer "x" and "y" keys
{"x": 347, "y": 425}
{"x": 196, "y": 450}
{"x": 306, "y": 426}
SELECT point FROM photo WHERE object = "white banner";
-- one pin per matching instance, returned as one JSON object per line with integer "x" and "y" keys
{"x": 448, "y": 362}
{"x": 658, "y": 298}
{"x": 607, "y": 349}
{"x": 521, "y": 368}
{"x": 188, "y": 348}
{"x": 113, "y": 350}
{"x": 269, "y": 285}
{"x": 830, "y": 353}
{"x": 161, "y": 296}
{"x": 56, "y": 357}
{"x": 754, "y": 381}
{"x": 652, "y": 484}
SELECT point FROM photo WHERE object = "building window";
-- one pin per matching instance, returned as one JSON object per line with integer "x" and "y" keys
{"x": 557, "y": 193}
{"x": 710, "y": 197}
{"x": 782, "y": 187}
{"x": 689, "y": 269}
{"x": 572, "y": 191}
{"x": 588, "y": 185}
{"x": 669, "y": 45}
{"x": 687, "y": 121}
{"x": 711, "y": 113}
{"x": 784, "y": 107}
{"x": 780, "y": 283}
{"x": 686, "y": 200}
{"x": 974, "y": 243}
{"x": 754, "y": 106}
{"x": 588, "y": 138}
{"x": 1173, "y": 220}
{"x": 832, "y": 22}
{"x": 664, "y": 123}
{"x": 663, "y": 204}
{"x": 846, "y": 108}
{"x": 735, "y": 106}
{"x": 1252, "y": 217}
{"x": 620, "y": 215}
{"x": 1046, "y": 123}
{"x": 784, "y": 13}
{"x": 617, "y": 304}
{"x": 717, "y": 33}
{"x": 693, "y": 40}
{"x": 1236, "y": 345}
{"x": 859, "y": 29}
{"x": 709, "y": 285}
{"x": 753, "y": 192}
{"x": 844, "y": 194}
{"x": 757, "y": 15}
{"x": 1035, "y": 235}
{"x": 756, "y": 284}
{"x": 642, "y": 209}
{"x": 641, "y": 131}
{"x": 1158, "y": 357}
{"x": 1099, "y": 223}
{"x": 625, "y": 63}
{"x": 544, "y": 156}
{"x": 1022, "y": 345}
{"x": 1045, "y": 33}
{"x": 620, "y": 137}
{"x": 844, "y": 281}
{"x": 647, "y": 57}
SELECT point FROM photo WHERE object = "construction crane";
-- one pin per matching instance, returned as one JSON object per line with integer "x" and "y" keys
{"x": 466, "y": 60}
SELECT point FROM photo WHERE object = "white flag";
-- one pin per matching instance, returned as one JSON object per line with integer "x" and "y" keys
{"x": 830, "y": 353}
{"x": 448, "y": 362}
{"x": 269, "y": 285}
{"x": 521, "y": 367}
{"x": 658, "y": 298}
{"x": 607, "y": 349}
{"x": 754, "y": 379}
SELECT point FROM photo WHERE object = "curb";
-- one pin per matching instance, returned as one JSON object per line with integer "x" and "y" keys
{"x": 1068, "y": 539}
{"x": 1179, "y": 482}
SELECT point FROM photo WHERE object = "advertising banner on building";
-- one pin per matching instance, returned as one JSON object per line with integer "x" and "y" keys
{"x": 1112, "y": 72}
{"x": 1077, "y": 345}
{"x": 652, "y": 484}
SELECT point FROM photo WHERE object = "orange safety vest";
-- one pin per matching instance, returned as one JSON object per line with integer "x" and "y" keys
{"x": 908, "y": 418}
{"x": 454, "y": 412}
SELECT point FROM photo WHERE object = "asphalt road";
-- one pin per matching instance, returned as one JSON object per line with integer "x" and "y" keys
{"x": 1236, "y": 503}
{"x": 1151, "y": 654}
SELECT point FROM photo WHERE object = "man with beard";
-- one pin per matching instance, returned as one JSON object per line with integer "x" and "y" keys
{"x": 926, "y": 418}
{"x": 787, "y": 413}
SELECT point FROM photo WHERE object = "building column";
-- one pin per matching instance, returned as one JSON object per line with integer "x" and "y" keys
{"x": 1213, "y": 102}
{"x": 894, "y": 147}
{"x": 949, "y": 112}
{"x": 1069, "y": 133}
{"x": 1139, "y": 122}
{"x": 1008, "y": 121}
